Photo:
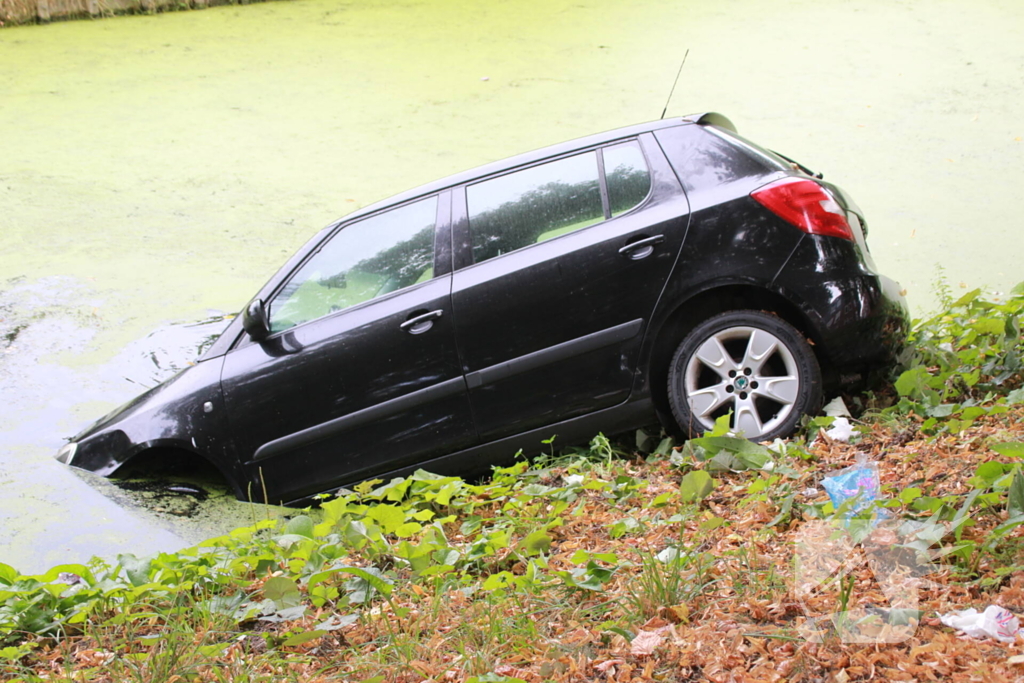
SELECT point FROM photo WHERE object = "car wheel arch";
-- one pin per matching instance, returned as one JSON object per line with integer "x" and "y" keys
{"x": 692, "y": 311}
{"x": 147, "y": 455}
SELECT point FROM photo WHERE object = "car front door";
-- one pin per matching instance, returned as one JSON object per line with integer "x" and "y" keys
{"x": 558, "y": 269}
{"x": 360, "y": 374}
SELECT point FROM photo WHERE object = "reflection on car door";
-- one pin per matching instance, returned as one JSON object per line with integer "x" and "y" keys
{"x": 559, "y": 267}
{"x": 360, "y": 375}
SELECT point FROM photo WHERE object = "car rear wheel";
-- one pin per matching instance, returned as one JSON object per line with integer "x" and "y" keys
{"x": 753, "y": 365}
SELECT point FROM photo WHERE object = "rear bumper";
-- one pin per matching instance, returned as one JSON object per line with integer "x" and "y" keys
{"x": 858, "y": 319}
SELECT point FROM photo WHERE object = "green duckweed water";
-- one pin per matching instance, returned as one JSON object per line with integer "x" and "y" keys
{"x": 160, "y": 168}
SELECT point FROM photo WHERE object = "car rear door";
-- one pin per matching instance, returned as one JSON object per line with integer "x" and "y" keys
{"x": 360, "y": 374}
{"x": 559, "y": 266}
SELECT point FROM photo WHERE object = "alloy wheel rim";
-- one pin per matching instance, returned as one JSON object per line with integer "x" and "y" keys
{"x": 745, "y": 370}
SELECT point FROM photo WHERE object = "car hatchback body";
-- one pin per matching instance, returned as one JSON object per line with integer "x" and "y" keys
{"x": 668, "y": 270}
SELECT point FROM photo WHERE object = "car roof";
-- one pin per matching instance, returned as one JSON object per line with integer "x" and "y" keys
{"x": 533, "y": 156}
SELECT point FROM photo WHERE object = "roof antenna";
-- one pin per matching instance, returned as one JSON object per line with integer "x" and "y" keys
{"x": 674, "y": 84}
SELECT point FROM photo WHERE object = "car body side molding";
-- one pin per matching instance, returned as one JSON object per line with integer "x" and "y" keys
{"x": 554, "y": 354}
{"x": 471, "y": 461}
{"x": 380, "y": 411}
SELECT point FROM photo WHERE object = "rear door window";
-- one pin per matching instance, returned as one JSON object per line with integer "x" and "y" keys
{"x": 552, "y": 199}
{"x": 515, "y": 210}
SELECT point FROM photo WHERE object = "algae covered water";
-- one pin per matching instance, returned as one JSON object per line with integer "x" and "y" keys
{"x": 155, "y": 171}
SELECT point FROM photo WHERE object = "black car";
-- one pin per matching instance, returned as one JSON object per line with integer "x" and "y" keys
{"x": 668, "y": 270}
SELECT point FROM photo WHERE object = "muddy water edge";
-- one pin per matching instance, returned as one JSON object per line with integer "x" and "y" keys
{"x": 155, "y": 170}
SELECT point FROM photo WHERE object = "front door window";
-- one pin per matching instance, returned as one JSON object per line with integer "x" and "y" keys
{"x": 365, "y": 260}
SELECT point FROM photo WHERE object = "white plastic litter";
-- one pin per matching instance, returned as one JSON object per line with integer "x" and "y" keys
{"x": 995, "y": 622}
{"x": 841, "y": 430}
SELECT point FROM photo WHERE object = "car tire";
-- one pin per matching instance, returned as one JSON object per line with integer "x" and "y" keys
{"x": 752, "y": 364}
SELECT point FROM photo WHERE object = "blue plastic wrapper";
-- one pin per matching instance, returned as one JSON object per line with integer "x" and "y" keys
{"x": 859, "y": 482}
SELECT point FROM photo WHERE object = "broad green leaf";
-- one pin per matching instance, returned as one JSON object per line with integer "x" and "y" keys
{"x": 941, "y": 410}
{"x": 536, "y": 543}
{"x": 909, "y": 495}
{"x": 988, "y": 326}
{"x": 711, "y": 523}
{"x": 282, "y": 591}
{"x": 1015, "y": 497}
{"x": 696, "y": 486}
{"x": 966, "y": 298}
{"x": 408, "y": 529}
{"x": 917, "y": 383}
{"x": 136, "y": 570}
{"x": 8, "y": 574}
{"x": 665, "y": 446}
{"x": 752, "y": 456}
{"x": 300, "y": 638}
{"x": 580, "y": 556}
{"x": 1013, "y": 449}
{"x": 988, "y": 472}
{"x": 374, "y": 579}
{"x": 300, "y": 526}
{"x": 389, "y": 517}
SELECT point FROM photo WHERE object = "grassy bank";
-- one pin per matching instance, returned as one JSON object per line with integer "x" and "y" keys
{"x": 651, "y": 560}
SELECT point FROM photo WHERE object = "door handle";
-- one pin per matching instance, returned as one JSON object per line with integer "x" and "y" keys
{"x": 641, "y": 248}
{"x": 418, "y": 324}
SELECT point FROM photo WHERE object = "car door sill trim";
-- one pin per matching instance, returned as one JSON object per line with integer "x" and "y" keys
{"x": 476, "y": 459}
{"x": 380, "y": 411}
{"x": 554, "y": 354}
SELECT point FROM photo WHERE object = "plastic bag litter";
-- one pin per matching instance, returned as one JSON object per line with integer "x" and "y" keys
{"x": 841, "y": 430}
{"x": 858, "y": 482}
{"x": 995, "y": 622}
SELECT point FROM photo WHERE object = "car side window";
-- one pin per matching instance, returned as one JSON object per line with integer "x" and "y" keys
{"x": 541, "y": 202}
{"x": 364, "y": 260}
{"x": 518, "y": 209}
{"x": 629, "y": 180}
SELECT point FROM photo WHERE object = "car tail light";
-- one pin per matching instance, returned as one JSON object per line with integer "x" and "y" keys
{"x": 805, "y": 204}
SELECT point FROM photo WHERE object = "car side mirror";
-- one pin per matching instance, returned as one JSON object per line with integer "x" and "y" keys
{"x": 255, "y": 321}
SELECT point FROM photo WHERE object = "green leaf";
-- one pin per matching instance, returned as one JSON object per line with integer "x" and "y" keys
{"x": 1015, "y": 498}
{"x": 1013, "y": 449}
{"x": 988, "y": 326}
{"x": 917, "y": 383}
{"x": 300, "y": 638}
{"x": 388, "y": 517}
{"x": 408, "y": 529}
{"x": 696, "y": 486}
{"x": 8, "y": 574}
{"x": 373, "y": 579}
{"x": 536, "y": 543}
{"x": 966, "y": 298}
{"x": 909, "y": 495}
{"x": 665, "y": 446}
{"x": 988, "y": 472}
{"x": 711, "y": 523}
{"x": 136, "y": 570}
{"x": 282, "y": 591}
{"x": 300, "y": 526}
